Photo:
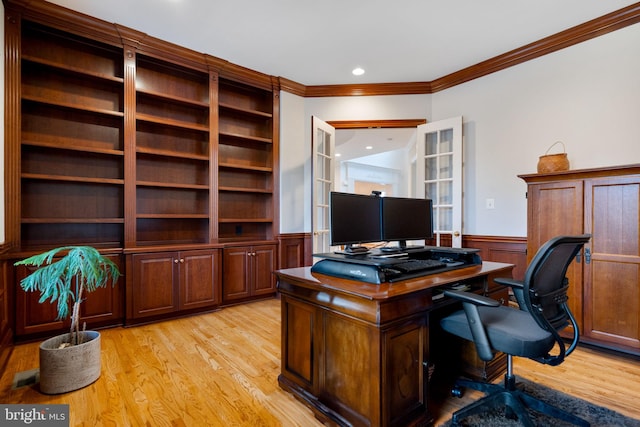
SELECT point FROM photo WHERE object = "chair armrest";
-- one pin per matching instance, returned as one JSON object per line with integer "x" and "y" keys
{"x": 515, "y": 284}
{"x": 470, "y": 303}
{"x": 472, "y": 298}
{"x": 518, "y": 289}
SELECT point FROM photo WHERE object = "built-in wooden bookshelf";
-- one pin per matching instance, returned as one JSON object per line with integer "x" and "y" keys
{"x": 245, "y": 162}
{"x": 73, "y": 151}
{"x": 172, "y": 154}
{"x": 71, "y": 156}
{"x": 159, "y": 156}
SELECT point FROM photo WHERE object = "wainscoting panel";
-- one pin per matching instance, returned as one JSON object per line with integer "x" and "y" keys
{"x": 295, "y": 250}
{"x": 512, "y": 250}
{"x": 292, "y": 250}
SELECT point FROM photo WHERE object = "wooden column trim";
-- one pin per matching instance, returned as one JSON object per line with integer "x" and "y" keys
{"x": 12, "y": 130}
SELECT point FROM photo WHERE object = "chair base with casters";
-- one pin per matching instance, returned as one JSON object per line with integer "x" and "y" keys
{"x": 508, "y": 396}
{"x": 532, "y": 330}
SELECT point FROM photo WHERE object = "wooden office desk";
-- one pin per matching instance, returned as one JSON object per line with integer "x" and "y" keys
{"x": 358, "y": 353}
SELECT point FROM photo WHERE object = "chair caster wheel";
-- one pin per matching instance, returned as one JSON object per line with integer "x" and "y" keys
{"x": 457, "y": 391}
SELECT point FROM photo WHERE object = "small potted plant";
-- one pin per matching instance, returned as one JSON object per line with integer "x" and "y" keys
{"x": 72, "y": 360}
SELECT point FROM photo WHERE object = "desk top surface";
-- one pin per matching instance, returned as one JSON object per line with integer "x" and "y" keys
{"x": 302, "y": 276}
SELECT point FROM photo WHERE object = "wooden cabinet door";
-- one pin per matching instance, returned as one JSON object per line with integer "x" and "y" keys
{"x": 349, "y": 367}
{"x": 554, "y": 209}
{"x": 102, "y": 307}
{"x": 263, "y": 259}
{"x": 236, "y": 273}
{"x": 405, "y": 378}
{"x": 31, "y": 316}
{"x": 248, "y": 271}
{"x": 153, "y": 290}
{"x": 299, "y": 345}
{"x": 199, "y": 279}
{"x": 105, "y": 306}
{"x": 557, "y": 208}
{"x": 612, "y": 277}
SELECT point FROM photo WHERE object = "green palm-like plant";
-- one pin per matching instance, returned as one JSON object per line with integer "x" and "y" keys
{"x": 65, "y": 280}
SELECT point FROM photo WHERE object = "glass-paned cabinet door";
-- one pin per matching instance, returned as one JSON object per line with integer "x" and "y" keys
{"x": 323, "y": 142}
{"x": 439, "y": 152}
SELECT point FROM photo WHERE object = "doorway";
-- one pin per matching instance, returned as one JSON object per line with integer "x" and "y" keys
{"x": 376, "y": 156}
{"x": 373, "y": 174}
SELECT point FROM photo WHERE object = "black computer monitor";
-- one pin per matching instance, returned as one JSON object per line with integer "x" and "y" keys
{"x": 406, "y": 219}
{"x": 354, "y": 219}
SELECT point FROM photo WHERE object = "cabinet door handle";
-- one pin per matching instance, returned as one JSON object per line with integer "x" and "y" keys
{"x": 175, "y": 261}
{"x": 181, "y": 260}
{"x": 587, "y": 256}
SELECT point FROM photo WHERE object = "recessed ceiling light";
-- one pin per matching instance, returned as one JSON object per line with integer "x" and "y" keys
{"x": 368, "y": 147}
{"x": 358, "y": 71}
{"x": 338, "y": 154}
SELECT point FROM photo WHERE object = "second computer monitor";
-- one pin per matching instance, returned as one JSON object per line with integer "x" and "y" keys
{"x": 406, "y": 219}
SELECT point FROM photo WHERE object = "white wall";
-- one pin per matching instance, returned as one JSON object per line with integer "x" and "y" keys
{"x": 587, "y": 96}
{"x": 295, "y": 141}
{"x": 295, "y": 171}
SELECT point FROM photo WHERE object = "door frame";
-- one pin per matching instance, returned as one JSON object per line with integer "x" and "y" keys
{"x": 368, "y": 124}
{"x": 364, "y": 124}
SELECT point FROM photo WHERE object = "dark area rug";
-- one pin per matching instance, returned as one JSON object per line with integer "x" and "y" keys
{"x": 596, "y": 415}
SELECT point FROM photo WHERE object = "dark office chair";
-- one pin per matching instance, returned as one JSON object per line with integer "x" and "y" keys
{"x": 531, "y": 331}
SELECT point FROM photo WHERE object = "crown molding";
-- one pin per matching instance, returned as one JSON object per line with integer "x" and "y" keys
{"x": 242, "y": 74}
{"x": 84, "y": 25}
{"x": 597, "y": 27}
{"x": 292, "y": 87}
{"x": 591, "y": 29}
{"x": 62, "y": 18}
{"x": 413, "y": 88}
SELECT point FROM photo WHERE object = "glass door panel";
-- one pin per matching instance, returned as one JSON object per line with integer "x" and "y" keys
{"x": 322, "y": 142}
{"x": 440, "y": 147}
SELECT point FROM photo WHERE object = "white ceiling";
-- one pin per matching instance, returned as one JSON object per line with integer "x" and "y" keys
{"x": 352, "y": 143}
{"x": 319, "y": 42}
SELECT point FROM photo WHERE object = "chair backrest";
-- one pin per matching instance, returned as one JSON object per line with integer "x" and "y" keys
{"x": 546, "y": 286}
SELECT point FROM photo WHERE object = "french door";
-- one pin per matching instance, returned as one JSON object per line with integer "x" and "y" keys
{"x": 322, "y": 169}
{"x": 439, "y": 175}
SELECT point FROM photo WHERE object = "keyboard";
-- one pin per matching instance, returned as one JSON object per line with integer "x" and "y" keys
{"x": 416, "y": 265}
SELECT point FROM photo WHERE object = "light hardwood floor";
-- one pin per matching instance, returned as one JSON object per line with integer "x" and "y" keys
{"x": 220, "y": 369}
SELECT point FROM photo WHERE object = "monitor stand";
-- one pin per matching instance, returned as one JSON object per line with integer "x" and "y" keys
{"x": 402, "y": 246}
{"x": 355, "y": 250}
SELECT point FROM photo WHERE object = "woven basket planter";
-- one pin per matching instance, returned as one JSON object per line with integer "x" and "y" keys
{"x": 71, "y": 368}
